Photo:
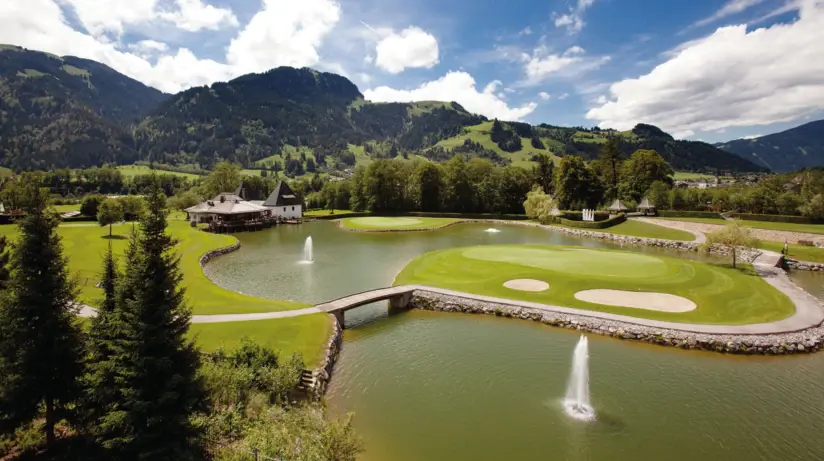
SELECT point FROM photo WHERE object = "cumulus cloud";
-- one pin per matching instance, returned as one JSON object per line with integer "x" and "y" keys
{"x": 543, "y": 63}
{"x": 410, "y": 48}
{"x": 544, "y": 95}
{"x": 99, "y": 17}
{"x": 282, "y": 33}
{"x": 573, "y": 21}
{"x": 730, "y": 78}
{"x": 459, "y": 87}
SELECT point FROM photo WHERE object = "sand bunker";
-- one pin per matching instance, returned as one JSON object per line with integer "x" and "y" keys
{"x": 526, "y": 285}
{"x": 639, "y": 300}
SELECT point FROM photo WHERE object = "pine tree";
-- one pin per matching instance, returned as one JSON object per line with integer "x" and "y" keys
{"x": 4, "y": 262}
{"x": 40, "y": 337}
{"x": 152, "y": 366}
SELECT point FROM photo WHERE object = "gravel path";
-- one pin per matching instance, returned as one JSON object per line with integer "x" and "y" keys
{"x": 761, "y": 234}
{"x": 679, "y": 225}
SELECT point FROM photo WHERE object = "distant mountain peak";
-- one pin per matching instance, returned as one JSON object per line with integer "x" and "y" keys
{"x": 789, "y": 150}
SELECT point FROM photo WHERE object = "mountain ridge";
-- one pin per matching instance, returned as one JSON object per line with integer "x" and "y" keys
{"x": 789, "y": 150}
{"x": 74, "y": 112}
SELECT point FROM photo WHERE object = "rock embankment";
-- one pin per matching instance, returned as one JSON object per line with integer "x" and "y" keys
{"x": 808, "y": 340}
{"x": 210, "y": 255}
{"x": 804, "y": 265}
{"x": 322, "y": 374}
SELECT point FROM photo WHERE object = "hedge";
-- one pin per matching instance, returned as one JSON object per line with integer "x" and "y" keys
{"x": 776, "y": 218}
{"x": 688, "y": 214}
{"x": 79, "y": 218}
{"x": 592, "y": 225}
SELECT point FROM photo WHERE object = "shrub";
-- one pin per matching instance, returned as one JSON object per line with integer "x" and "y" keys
{"x": 775, "y": 218}
{"x": 593, "y": 225}
{"x": 688, "y": 214}
{"x": 90, "y": 204}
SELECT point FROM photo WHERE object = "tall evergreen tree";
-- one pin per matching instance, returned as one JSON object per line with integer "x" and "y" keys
{"x": 611, "y": 159}
{"x": 153, "y": 366}
{"x": 5, "y": 254}
{"x": 40, "y": 337}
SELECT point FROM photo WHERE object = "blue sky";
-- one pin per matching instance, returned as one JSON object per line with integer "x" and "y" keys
{"x": 701, "y": 69}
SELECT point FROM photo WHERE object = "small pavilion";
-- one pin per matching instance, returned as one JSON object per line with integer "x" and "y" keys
{"x": 617, "y": 207}
{"x": 646, "y": 207}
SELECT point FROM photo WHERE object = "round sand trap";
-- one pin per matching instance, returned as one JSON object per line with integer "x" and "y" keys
{"x": 637, "y": 299}
{"x": 526, "y": 285}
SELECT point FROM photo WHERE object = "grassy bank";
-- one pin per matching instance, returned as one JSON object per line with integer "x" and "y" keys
{"x": 723, "y": 295}
{"x": 377, "y": 224}
{"x": 642, "y": 229}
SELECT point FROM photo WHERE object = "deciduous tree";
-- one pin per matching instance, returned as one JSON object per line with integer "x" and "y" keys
{"x": 732, "y": 236}
{"x": 110, "y": 212}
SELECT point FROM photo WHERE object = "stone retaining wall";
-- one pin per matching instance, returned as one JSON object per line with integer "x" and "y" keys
{"x": 323, "y": 373}
{"x": 809, "y": 340}
{"x": 804, "y": 265}
{"x": 210, "y": 255}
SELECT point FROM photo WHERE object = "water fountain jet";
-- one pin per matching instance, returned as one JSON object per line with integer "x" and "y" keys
{"x": 308, "y": 257}
{"x": 576, "y": 402}
{"x": 492, "y": 230}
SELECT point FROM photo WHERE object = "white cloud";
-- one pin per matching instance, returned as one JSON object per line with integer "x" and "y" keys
{"x": 194, "y": 15}
{"x": 113, "y": 16}
{"x": 459, "y": 87}
{"x": 563, "y": 96}
{"x": 602, "y": 99}
{"x": 730, "y": 8}
{"x": 542, "y": 64}
{"x": 574, "y": 20}
{"x": 683, "y": 134}
{"x": 410, "y": 48}
{"x": 525, "y": 31}
{"x": 283, "y": 33}
{"x": 364, "y": 77}
{"x": 752, "y": 136}
{"x": 730, "y": 78}
{"x": 544, "y": 95}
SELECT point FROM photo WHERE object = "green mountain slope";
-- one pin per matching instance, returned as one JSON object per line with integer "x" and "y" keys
{"x": 790, "y": 150}
{"x": 518, "y": 147}
{"x": 57, "y": 112}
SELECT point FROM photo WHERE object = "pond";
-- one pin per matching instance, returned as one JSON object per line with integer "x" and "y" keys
{"x": 431, "y": 386}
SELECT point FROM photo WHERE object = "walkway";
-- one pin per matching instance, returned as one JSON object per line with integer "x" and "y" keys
{"x": 761, "y": 234}
{"x": 700, "y": 237}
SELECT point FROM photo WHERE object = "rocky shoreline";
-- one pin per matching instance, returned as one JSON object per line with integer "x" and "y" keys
{"x": 322, "y": 374}
{"x": 803, "y": 265}
{"x": 804, "y": 341}
{"x": 210, "y": 255}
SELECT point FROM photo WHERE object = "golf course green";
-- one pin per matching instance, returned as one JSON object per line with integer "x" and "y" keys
{"x": 378, "y": 224}
{"x": 723, "y": 295}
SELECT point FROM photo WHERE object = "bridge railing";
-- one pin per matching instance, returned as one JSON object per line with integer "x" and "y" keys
{"x": 401, "y": 288}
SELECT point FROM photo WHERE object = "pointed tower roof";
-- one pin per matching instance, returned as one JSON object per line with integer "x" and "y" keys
{"x": 245, "y": 193}
{"x": 646, "y": 204}
{"x": 617, "y": 206}
{"x": 282, "y": 196}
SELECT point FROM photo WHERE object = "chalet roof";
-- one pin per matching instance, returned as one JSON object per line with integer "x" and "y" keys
{"x": 231, "y": 204}
{"x": 646, "y": 204}
{"x": 617, "y": 206}
{"x": 282, "y": 196}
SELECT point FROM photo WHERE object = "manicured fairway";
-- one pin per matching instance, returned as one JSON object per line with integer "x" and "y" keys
{"x": 326, "y": 212}
{"x": 86, "y": 243}
{"x": 401, "y": 223}
{"x": 305, "y": 335}
{"x": 723, "y": 295}
{"x": 779, "y": 226}
{"x": 66, "y": 208}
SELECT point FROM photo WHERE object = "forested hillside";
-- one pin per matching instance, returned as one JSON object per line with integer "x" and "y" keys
{"x": 790, "y": 150}
{"x": 70, "y": 112}
{"x": 67, "y": 111}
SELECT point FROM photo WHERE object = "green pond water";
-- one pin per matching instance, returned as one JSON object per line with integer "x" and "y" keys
{"x": 437, "y": 386}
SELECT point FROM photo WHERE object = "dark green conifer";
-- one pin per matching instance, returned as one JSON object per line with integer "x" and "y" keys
{"x": 40, "y": 337}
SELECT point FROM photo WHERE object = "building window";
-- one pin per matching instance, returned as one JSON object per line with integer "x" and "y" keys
{"x": 284, "y": 209}
{"x": 293, "y": 208}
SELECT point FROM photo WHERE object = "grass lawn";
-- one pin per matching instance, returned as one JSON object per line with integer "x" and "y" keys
{"x": 66, "y": 208}
{"x": 130, "y": 171}
{"x": 86, "y": 243}
{"x": 690, "y": 176}
{"x": 723, "y": 295}
{"x": 643, "y": 229}
{"x": 779, "y": 226}
{"x": 305, "y": 335}
{"x": 326, "y": 212}
{"x": 384, "y": 224}
{"x": 799, "y": 252}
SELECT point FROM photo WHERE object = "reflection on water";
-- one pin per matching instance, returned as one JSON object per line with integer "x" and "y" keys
{"x": 431, "y": 386}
